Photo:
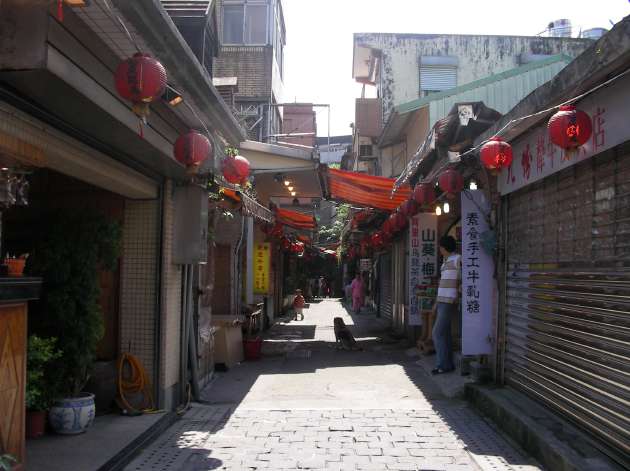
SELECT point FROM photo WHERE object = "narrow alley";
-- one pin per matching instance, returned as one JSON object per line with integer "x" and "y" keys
{"x": 308, "y": 405}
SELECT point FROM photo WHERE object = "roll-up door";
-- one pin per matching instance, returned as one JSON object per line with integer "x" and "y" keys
{"x": 568, "y": 296}
{"x": 385, "y": 280}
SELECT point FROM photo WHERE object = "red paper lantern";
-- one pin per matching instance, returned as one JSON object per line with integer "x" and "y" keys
{"x": 409, "y": 208}
{"x": 496, "y": 154}
{"x": 192, "y": 148}
{"x": 386, "y": 227}
{"x": 424, "y": 194}
{"x": 285, "y": 243}
{"x": 377, "y": 240}
{"x": 140, "y": 79}
{"x": 236, "y": 169}
{"x": 570, "y": 128}
{"x": 451, "y": 182}
{"x": 299, "y": 248}
{"x": 277, "y": 230}
{"x": 397, "y": 222}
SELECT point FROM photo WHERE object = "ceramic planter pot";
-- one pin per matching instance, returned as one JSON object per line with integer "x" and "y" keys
{"x": 73, "y": 415}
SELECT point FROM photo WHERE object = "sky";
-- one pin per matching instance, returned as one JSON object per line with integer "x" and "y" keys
{"x": 318, "y": 54}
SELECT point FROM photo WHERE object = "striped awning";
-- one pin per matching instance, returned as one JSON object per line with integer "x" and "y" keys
{"x": 364, "y": 190}
{"x": 295, "y": 219}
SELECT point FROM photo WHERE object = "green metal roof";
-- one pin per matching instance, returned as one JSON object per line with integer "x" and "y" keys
{"x": 419, "y": 103}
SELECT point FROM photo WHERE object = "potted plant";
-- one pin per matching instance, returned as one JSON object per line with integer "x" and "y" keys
{"x": 41, "y": 353}
{"x": 6, "y": 462}
{"x": 75, "y": 246}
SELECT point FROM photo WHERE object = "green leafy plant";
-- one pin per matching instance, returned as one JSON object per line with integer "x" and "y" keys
{"x": 68, "y": 257}
{"x": 41, "y": 353}
{"x": 6, "y": 462}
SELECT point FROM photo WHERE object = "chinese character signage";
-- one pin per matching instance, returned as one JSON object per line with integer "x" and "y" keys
{"x": 261, "y": 267}
{"x": 422, "y": 259}
{"x": 477, "y": 276}
{"x": 535, "y": 157}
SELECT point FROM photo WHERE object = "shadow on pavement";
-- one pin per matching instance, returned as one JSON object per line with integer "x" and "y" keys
{"x": 293, "y": 348}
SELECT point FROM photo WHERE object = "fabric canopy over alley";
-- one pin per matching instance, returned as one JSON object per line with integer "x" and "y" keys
{"x": 363, "y": 190}
{"x": 295, "y": 219}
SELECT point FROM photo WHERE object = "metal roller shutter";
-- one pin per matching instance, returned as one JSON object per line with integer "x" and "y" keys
{"x": 437, "y": 77}
{"x": 385, "y": 280}
{"x": 568, "y": 296}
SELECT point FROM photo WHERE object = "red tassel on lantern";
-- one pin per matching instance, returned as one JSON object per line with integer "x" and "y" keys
{"x": 424, "y": 194}
{"x": 409, "y": 208}
{"x": 496, "y": 154}
{"x": 140, "y": 79}
{"x": 451, "y": 182}
{"x": 191, "y": 149}
{"x": 569, "y": 128}
{"x": 236, "y": 169}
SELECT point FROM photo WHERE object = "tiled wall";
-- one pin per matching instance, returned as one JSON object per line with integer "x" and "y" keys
{"x": 138, "y": 281}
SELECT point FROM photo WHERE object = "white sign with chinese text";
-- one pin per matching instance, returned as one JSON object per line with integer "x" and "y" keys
{"x": 422, "y": 259}
{"x": 536, "y": 157}
{"x": 477, "y": 276}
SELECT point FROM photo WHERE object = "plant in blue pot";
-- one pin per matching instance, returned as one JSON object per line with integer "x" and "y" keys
{"x": 71, "y": 254}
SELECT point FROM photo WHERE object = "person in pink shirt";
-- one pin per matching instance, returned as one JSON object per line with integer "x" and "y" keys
{"x": 357, "y": 293}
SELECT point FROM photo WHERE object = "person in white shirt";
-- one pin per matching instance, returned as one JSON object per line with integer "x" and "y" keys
{"x": 446, "y": 305}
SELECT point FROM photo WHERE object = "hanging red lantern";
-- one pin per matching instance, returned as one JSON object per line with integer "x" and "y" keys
{"x": 299, "y": 249}
{"x": 409, "y": 208}
{"x": 191, "y": 149}
{"x": 236, "y": 169}
{"x": 496, "y": 154}
{"x": 277, "y": 230}
{"x": 386, "y": 227}
{"x": 569, "y": 128}
{"x": 377, "y": 240}
{"x": 285, "y": 243}
{"x": 451, "y": 182}
{"x": 397, "y": 221}
{"x": 424, "y": 194}
{"x": 140, "y": 79}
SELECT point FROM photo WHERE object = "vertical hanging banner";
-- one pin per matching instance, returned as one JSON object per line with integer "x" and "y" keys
{"x": 477, "y": 276}
{"x": 422, "y": 260}
{"x": 261, "y": 267}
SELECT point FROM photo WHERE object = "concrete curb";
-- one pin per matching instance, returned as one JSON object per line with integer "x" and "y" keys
{"x": 555, "y": 443}
{"x": 127, "y": 454}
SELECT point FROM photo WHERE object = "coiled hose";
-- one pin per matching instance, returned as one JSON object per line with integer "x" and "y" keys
{"x": 133, "y": 379}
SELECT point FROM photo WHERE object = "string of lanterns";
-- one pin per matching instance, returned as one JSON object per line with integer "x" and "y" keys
{"x": 141, "y": 79}
{"x": 569, "y": 128}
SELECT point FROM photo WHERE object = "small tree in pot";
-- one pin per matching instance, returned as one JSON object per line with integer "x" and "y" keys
{"x": 73, "y": 249}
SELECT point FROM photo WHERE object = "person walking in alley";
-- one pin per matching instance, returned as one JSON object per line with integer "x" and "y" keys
{"x": 298, "y": 305}
{"x": 446, "y": 305}
{"x": 357, "y": 293}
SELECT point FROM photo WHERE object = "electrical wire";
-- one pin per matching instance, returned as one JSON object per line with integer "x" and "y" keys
{"x": 509, "y": 124}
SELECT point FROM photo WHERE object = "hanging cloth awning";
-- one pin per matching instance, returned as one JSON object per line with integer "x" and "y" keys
{"x": 295, "y": 219}
{"x": 364, "y": 190}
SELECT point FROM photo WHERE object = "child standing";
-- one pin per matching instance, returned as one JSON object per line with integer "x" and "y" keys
{"x": 298, "y": 305}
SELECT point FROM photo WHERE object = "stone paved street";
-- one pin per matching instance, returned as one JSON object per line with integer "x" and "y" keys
{"x": 307, "y": 405}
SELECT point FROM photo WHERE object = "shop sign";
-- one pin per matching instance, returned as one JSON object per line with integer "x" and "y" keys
{"x": 422, "y": 260}
{"x": 365, "y": 264}
{"x": 536, "y": 157}
{"x": 477, "y": 276}
{"x": 261, "y": 267}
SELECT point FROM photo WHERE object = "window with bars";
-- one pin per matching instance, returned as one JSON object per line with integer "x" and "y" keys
{"x": 245, "y": 22}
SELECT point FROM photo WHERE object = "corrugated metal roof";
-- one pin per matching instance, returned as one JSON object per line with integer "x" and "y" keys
{"x": 500, "y": 92}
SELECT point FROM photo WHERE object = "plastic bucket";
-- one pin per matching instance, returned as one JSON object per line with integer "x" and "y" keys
{"x": 252, "y": 348}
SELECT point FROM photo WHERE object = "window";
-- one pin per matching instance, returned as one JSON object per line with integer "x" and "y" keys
{"x": 245, "y": 22}
{"x": 365, "y": 150}
{"x": 437, "y": 73}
